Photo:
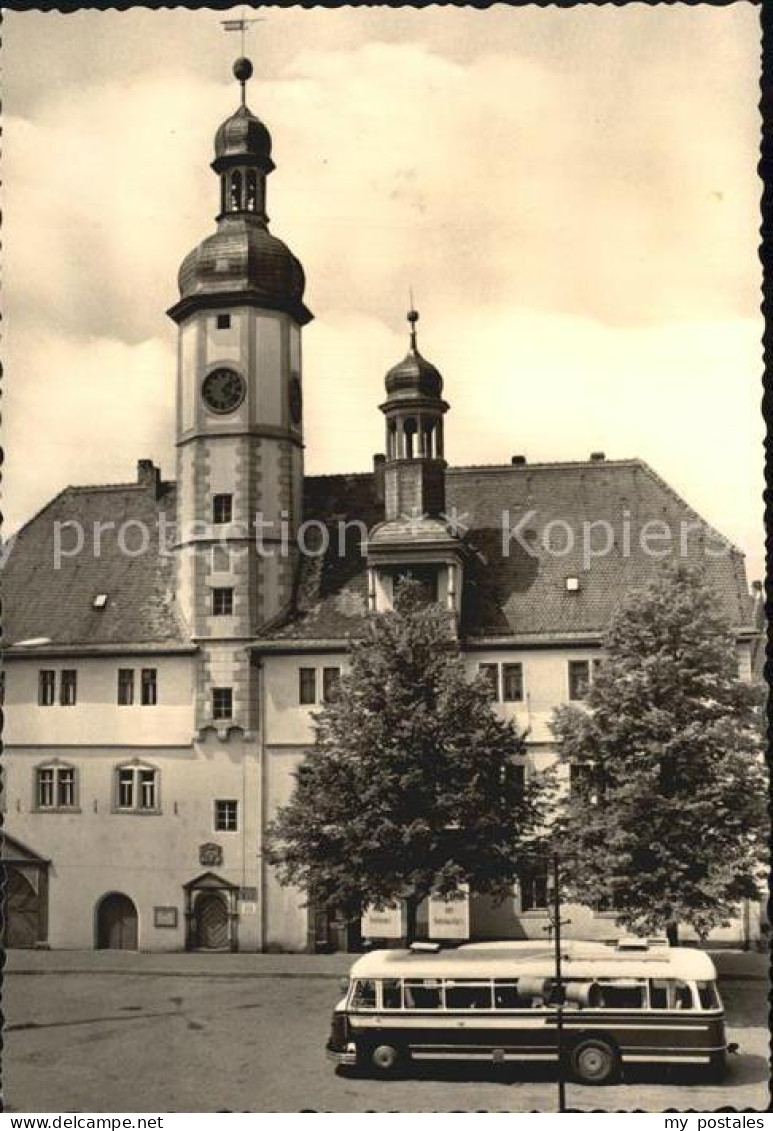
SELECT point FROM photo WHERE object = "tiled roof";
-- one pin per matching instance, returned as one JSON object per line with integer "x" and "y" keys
{"x": 522, "y": 593}
{"x": 518, "y": 595}
{"x": 48, "y": 604}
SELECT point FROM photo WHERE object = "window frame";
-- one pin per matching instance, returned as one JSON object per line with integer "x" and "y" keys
{"x": 49, "y": 685}
{"x": 571, "y": 670}
{"x": 533, "y": 876}
{"x": 221, "y": 713}
{"x": 123, "y": 684}
{"x": 331, "y": 683}
{"x": 307, "y": 673}
{"x": 222, "y": 321}
{"x": 56, "y": 769}
{"x": 224, "y": 826}
{"x": 136, "y": 770}
{"x": 219, "y": 500}
{"x": 490, "y": 671}
{"x": 148, "y": 681}
{"x": 68, "y": 687}
{"x": 222, "y": 594}
{"x": 508, "y": 667}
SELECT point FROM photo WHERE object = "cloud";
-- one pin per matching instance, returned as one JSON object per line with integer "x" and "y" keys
{"x": 571, "y": 194}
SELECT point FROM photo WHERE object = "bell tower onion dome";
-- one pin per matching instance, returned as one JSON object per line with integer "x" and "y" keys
{"x": 242, "y": 258}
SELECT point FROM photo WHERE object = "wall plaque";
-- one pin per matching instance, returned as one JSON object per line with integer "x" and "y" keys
{"x": 164, "y": 916}
{"x": 210, "y": 854}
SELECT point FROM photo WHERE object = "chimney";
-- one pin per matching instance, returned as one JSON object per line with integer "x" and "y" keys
{"x": 598, "y": 457}
{"x": 149, "y": 476}
{"x": 379, "y": 461}
{"x": 518, "y": 461}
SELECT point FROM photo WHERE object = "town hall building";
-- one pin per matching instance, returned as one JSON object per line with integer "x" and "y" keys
{"x": 163, "y": 664}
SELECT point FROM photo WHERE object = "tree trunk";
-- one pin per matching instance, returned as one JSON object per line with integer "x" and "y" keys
{"x": 411, "y": 910}
{"x": 672, "y": 933}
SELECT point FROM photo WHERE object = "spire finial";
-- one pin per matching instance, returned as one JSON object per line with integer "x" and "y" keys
{"x": 242, "y": 66}
{"x": 413, "y": 318}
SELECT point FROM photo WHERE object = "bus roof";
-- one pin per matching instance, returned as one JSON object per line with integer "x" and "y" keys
{"x": 586, "y": 961}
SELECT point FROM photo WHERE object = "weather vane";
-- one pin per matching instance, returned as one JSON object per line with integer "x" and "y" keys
{"x": 241, "y": 25}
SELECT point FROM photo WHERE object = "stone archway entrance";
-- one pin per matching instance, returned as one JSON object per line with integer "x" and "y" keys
{"x": 25, "y": 919}
{"x": 116, "y": 922}
{"x": 211, "y": 914}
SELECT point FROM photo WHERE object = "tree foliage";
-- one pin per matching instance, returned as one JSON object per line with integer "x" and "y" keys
{"x": 671, "y": 818}
{"x": 410, "y": 788}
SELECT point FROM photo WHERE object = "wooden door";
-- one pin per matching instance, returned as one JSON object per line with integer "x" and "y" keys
{"x": 211, "y": 922}
{"x": 117, "y": 923}
{"x": 22, "y": 910}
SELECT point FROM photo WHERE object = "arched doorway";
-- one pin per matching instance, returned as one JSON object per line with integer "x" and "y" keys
{"x": 211, "y": 920}
{"x": 22, "y": 910}
{"x": 116, "y": 923}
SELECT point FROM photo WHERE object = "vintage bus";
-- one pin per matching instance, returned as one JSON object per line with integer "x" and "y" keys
{"x": 631, "y": 1003}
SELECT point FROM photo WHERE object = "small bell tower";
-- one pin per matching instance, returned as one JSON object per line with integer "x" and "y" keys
{"x": 415, "y": 539}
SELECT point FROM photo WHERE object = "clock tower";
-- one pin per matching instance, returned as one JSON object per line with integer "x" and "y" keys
{"x": 239, "y": 424}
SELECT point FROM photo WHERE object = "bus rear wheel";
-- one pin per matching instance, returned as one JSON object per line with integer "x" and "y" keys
{"x": 594, "y": 1061}
{"x": 385, "y": 1059}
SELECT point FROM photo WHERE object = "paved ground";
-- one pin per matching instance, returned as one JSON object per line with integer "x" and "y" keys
{"x": 150, "y": 1033}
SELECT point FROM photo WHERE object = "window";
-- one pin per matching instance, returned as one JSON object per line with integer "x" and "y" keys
{"x": 224, "y": 321}
{"x": 490, "y": 672}
{"x": 512, "y": 683}
{"x": 423, "y": 995}
{"x": 364, "y": 995}
{"x": 149, "y": 687}
{"x": 69, "y": 687}
{"x": 658, "y": 993}
{"x": 579, "y": 678}
{"x": 506, "y": 996}
{"x": 307, "y": 686}
{"x": 707, "y": 994}
{"x": 137, "y": 788}
{"x": 534, "y": 889}
{"x": 622, "y": 994}
{"x": 331, "y": 678}
{"x": 46, "y": 688}
{"x": 391, "y": 994}
{"x": 55, "y": 787}
{"x": 516, "y": 773}
{"x": 222, "y": 508}
{"x": 222, "y": 602}
{"x": 65, "y": 787}
{"x": 125, "y": 687}
{"x": 226, "y": 816}
{"x": 468, "y": 995}
{"x": 222, "y": 702}
{"x": 683, "y": 996}
{"x": 126, "y": 789}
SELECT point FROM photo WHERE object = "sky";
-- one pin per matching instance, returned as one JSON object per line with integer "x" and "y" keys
{"x": 571, "y": 194}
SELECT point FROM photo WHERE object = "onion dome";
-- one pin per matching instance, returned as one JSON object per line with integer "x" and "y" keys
{"x": 243, "y": 139}
{"x": 414, "y": 376}
{"x": 243, "y": 256}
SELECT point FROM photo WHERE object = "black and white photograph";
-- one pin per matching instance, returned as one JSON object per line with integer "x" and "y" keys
{"x": 383, "y": 562}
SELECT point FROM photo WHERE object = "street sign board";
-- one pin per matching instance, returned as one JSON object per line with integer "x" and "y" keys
{"x": 449, "y": 918}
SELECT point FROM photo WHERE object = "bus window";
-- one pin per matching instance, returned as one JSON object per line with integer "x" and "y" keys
{"x": 506, "y": 996}
{"x": 622, "y": 994}
{"x": 391, "y": 993}
{"x": 658, "y": 993}
{"x": 682, "y": 996}
{"x": 707, "y": 993}
{"x": 423, "y": 995}
{"x": 364, "y": 995}
{"x": 468, "y": 995}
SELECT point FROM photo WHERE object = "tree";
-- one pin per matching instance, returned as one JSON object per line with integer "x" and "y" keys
{"x": 412, "y": 786}
{"x": 669, "y": 813}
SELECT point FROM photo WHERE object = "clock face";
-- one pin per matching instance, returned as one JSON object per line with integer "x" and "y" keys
{"x": 223, "y": 390}
{"x": 296, "y": 400}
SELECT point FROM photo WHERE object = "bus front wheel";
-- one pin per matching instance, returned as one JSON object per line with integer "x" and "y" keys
{"x": 594, "y": 1061}
{"x": 385, "y": 1059}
